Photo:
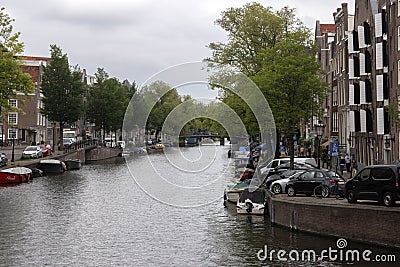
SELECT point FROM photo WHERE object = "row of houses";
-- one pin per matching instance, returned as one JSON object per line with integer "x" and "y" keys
{"x": 28, "y": 125}
{"x": 360, "y": 57}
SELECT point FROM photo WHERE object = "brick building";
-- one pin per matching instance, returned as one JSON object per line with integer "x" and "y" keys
{"x": 363, "y": 107}
{"x": 27, "y": 125}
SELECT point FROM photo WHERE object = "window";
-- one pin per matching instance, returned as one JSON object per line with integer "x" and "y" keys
{"x": 309, "y": 176}
{"x": 319, "y": 175}
{"x": 13, "y": 102}
{"x": 12, "y": 133}
{"x": 382, "y": 173}
{"x": 364, "y": 175}
{"x": 13, "y": 118}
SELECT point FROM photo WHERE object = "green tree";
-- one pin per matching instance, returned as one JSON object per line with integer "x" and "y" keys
{"x": 274, "y": 49}
{"x": 62, "y": 89}
{"x": 12, "y": 80}
{"x": 107, "y": 102}
{"x": 290, "y": 81}
{"x": 167, "y": 100}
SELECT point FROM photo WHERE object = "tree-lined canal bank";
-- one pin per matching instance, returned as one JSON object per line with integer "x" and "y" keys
{"x": 98, "y": 216}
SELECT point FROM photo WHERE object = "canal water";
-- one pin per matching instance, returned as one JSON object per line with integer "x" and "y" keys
{"x": 156, "y": 210}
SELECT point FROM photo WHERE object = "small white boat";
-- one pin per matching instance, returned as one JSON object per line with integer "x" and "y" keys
{"x": 251, "y": 202}
{"x": 52, "y": 166}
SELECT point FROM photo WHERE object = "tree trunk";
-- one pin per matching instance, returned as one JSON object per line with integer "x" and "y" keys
{"x": 61, "y": 136}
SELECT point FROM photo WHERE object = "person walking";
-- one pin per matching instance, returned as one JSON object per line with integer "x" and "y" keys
{"x": 348, "y": 162}
{"x": 354, "y": 167}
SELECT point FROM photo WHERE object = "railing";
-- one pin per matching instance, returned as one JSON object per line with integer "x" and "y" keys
{"x": 81, "y": 145}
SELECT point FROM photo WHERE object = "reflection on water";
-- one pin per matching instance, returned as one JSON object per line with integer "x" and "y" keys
{"x": 98, "y": 216}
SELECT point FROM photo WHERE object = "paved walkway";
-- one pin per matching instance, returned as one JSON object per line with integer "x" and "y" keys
{"x": 18, "y": 149}
{"x": 362, "y": 204}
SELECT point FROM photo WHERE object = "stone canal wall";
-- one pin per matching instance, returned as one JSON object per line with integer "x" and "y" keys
{"x": 367, "y": 223}
{"x": 101, "y": 153}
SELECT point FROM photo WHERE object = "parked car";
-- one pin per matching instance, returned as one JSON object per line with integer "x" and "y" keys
{"x": 307, "y": 181}
{"x": 283, "y": 174}
{"x": 284, "y": 160}
{"x": 377, "y": 182}
{"x": 33, "y": 152}
{"x": 68, "y": 142}
{"x": 275, "y": 174}
{"x": 46, "y": 150}
{"x": 3, "y": 160}
{"x": 279, "y": 186}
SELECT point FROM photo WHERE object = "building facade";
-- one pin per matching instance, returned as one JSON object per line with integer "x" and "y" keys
{"x": 27, "y": 125}
{"x": 364, "y": 77}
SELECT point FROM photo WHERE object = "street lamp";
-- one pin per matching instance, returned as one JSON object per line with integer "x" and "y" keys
{"x": 320, "y": 127}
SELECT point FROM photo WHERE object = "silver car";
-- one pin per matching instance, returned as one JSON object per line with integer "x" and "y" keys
{"x": 279, "y": 186}
{"x": 33, "y": 152}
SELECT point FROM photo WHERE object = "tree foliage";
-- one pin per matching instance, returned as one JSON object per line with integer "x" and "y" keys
{"x": 62, "y": 90}
{"x": 275, "y": 50}
{"x": 12, "y": 79}
{"x": 107, "y": 102}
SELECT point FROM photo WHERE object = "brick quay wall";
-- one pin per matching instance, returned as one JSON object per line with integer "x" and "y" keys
{"x": 366, "y": 222}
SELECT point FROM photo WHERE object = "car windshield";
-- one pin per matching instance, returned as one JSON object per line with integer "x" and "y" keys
{"x": 30, "y": 148}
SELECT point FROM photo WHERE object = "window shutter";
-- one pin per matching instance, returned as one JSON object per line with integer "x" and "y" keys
{"x": 379, "y": 56}
{"x": 351, "y": 94}
{"x": 352, "y": 122}
{"x": 362, "y": 64}
{"x": 362, "y": 93}
{"x": 351, "y": 68}
{"x": 361, "y": 37}
{"x": 380, "y": 121}
{"x": 350, "y": 42}
{"x": 379, "y": 87}
{"x": 378, "y": 25}
{"x": 363, "y": 120}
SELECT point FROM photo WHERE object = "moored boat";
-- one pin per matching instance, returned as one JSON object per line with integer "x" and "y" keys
{"x": 15, "y": 175}
{"x": 73, "y": 164}
{"x": 251, "y": 202}
{"x": 49, "y": 166}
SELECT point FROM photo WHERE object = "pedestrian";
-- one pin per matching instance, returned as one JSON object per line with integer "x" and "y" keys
{"x": 342, "y": 163}
{"x": 348, "y": 162}
{"x": 355, "y": 167}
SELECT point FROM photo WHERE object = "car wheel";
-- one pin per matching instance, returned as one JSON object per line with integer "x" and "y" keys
{"x": 325, "y": 192}
{"x": 291, "y": 192}
{"x": 277, "y": 189}
{"x": 388, "y": 199}
{"x": 351, "y": 198}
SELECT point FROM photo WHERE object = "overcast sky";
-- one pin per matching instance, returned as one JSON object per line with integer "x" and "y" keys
{"x": 134, "y": 39}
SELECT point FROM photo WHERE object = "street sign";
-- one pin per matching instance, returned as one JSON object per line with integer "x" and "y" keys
{"x": 334, "y": 145}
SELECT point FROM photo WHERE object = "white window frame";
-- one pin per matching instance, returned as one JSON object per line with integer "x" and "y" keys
{"x": 13, "y": 102}
{"x": 12, "y": 133}
{"x": 12, "y": 114}
{"x": 363, "y": 120}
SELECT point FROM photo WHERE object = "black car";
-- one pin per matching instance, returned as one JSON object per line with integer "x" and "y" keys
{"x": 276, "y": 173}
{"x": 377, "y": 182}
{"x": 306, "y": 183}
{"x": 285, "y": 174}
